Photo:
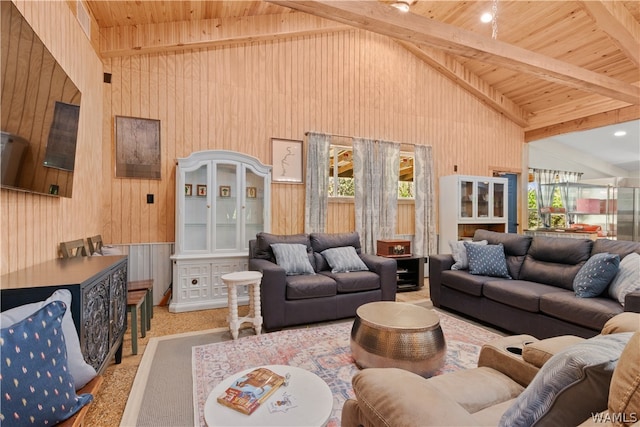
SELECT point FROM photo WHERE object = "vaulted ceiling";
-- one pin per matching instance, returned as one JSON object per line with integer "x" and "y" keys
{"x": 553, "y": 66}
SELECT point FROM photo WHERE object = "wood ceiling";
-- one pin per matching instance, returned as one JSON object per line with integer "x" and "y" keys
{"x": 554, "y": 67}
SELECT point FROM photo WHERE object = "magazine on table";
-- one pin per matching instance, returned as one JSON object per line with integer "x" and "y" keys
{"x": 248, "y": 392}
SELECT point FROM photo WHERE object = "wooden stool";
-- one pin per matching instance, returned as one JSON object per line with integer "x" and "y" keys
{"x": 147, "y": 286}
{"x": 135, "y": 300}
{"x": 233, "y": 280}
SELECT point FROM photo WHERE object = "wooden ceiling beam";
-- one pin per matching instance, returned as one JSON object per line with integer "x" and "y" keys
{"x": 619, "y": 24}
{"x": 456, "y": 72}
{"x": 383, "y": 19}
{"x": 180, "y": 36}
{"x": 620, "y": 115}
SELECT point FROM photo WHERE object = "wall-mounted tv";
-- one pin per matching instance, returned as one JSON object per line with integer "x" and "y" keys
{"x": 39, "y": 112}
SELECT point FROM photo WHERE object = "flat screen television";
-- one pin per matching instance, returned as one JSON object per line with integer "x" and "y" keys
{"x": 40, "y": 112}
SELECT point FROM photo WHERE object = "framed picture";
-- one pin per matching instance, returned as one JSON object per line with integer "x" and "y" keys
{"x": 188, "y": 190}
{"x": 287, "y": 160}
{"x": 137, "y": 148}
{"x": 252, "y": 192}
{"x": 201, "y": 189}
{"x": 225, "y": 191}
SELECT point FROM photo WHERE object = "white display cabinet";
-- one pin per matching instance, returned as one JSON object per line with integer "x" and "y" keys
{"x": 468, "y": 203}
{"x": 223, "y": 199}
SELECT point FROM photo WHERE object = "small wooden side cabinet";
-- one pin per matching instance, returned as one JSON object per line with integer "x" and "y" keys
{"x": 98, "y": 286}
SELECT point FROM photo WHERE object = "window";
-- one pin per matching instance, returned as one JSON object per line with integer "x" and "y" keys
{"x": 341, "y": 180}
{"x": 558, "y": 220}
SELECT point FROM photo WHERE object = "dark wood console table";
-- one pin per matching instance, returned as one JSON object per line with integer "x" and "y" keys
{"x": 98, "y": 286}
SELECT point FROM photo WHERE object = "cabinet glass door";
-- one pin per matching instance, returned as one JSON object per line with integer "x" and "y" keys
{"x": 196, "y": 209}
{"x": 483, "y": 199}
{"x": 466, "y": 199}
{"x": 253, "y": 207}
{"x": 227, "y": 198}
{"x": 498, "y": 200}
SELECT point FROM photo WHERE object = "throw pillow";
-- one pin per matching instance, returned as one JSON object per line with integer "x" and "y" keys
{"x": 81, "y": 371}
{"x": 344, "y": 259}
{"x": 596, "y": 274}
{"x": 487, "y": 260}
{"x": 459, "y": 253}
{"x": 37, "y": 388}
{"x": 293, "y": 258}
{"x": 571, "y": 386}
{"x": 627, "y": 279}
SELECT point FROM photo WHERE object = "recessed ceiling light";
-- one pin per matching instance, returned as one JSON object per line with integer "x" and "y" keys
{"x": 486, "y": 17}
{"x": 620, "y": 133}
{"x": 402, "y": 5}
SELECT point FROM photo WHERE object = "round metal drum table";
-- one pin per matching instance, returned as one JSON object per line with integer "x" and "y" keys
{"x": 389, "y": 334}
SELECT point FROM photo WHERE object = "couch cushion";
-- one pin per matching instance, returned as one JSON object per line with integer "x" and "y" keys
{"x": 624, "y": 392}
{"x": 464, "y": 282}
{"x": 293, "y": 258}
{"x": 571, "y": 386}
{"x": 517, "y": 293}
{"x": 588, "y": 312}
{"x": 37, "y": 390}
{"x": 459, "y": 254}
{"x": 265, "y": 240}
{"x": 515, "y": 247}
{"x": 555, "y": 261}
{"x": 81, "y": 371}
{"x": 596, "y": 274}
{"x": 307, "y": 286}
{"x": 323, "y": 241}
{"x": 620, "y": 247}
{"x": 344, "y": 259}
{"x": 355, "y": 281}
{"x": 487, "y": 260}
{"x": 627, "y": 279}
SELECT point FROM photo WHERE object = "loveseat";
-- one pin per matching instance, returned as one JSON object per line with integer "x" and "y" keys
{"x": 316, "y": 291}
{"x": 560, "y": 381}
{"x": 536, "y": 296}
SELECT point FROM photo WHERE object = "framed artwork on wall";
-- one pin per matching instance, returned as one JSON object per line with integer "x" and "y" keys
{"x": 252, "y": 192}
{"x": 188, "y": 189}
{"x": 287, "y": 160}
{"x": 137, "y": 148}
{"x": 201, "y": 189}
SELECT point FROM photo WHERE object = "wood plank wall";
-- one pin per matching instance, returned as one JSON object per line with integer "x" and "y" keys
{"x": 238, "y": 97}
{"x": 34, "y": 225}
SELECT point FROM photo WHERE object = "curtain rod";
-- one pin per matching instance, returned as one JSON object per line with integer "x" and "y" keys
{"x": 354, "y": 137}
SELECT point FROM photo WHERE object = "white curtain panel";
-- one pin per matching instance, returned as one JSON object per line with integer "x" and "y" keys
{"x": 425, "y": 239}
{"x": 376, "y": 167}
{"x": 566, "y": 177}
{"x": 316, "y": 196}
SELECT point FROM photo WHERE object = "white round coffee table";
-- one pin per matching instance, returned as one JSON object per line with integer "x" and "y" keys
{"x": 311, "y": 396}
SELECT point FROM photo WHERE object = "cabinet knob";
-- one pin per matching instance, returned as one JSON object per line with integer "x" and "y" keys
{"x": 194, "y": 281}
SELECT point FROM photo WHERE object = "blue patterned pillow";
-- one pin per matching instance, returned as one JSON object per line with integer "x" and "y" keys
{"x": 344, "y": 259}
{"x": 293, "y": 258}
{"x": 487, "y": 260}
{"x": 570, "y": 386}
{"x": 37, "y": 388}
{"x": 596, "y": 274}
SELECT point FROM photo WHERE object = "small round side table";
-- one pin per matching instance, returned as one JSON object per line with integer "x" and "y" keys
{"x": 252, "y": 279}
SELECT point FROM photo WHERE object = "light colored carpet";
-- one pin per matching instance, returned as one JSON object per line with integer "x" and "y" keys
{"x": 162, "y": 391}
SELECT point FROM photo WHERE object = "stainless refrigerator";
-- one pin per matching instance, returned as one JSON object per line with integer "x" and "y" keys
{"x": 628, "y": 214}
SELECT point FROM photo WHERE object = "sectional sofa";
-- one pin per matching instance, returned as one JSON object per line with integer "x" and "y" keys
{"x": 538, "y": 297}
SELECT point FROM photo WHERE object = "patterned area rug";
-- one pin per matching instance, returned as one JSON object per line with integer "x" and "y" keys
{"x": 323, "y": 350}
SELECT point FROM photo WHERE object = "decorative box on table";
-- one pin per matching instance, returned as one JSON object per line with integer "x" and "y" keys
{"x": 393, "y": 248}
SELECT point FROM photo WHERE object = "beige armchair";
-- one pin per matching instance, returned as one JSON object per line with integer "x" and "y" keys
{"x": 481, "y": 396}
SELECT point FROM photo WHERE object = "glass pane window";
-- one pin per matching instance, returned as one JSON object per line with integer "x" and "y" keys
{"x": 341, "y": 180}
